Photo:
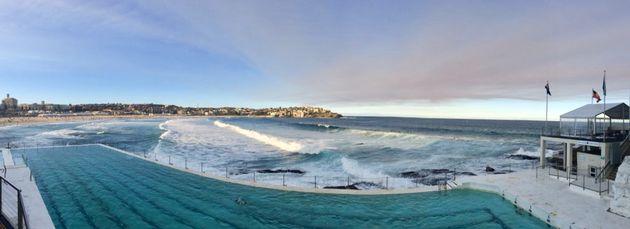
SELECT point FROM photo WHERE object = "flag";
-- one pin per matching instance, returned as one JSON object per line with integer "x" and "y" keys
{"x": 604, "y": 84}
{"x": 547, "y": 87}
{"x": 596, "y": 96}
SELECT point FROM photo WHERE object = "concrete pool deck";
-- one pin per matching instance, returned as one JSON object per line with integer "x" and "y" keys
{"x": 7, "y": 158}
{"x": 550, "y": 199}
{"x": 36, "y": 211}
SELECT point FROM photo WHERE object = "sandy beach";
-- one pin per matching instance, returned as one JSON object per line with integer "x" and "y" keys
{"x": 16, "y": 121}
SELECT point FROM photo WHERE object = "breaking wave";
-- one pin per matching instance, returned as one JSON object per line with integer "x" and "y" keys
{"x": 391, "y": 135}
{"x": 269, "y": 140}
{"x": 61, "y": 133}
{"x": 352, "y": 167}
{"x": 318, "y": 126}
{"x": 535, "y": 153}
{"x": 162, "y": 126}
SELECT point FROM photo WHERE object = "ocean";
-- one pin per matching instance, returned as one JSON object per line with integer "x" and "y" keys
{"x": 409, "y": 151}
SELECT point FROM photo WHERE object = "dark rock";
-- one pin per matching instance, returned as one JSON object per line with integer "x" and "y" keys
{"x": 424, "y": 173}
{"x": 239, "y": 172}
{"x": 413, "y": 174}
{"x": 555, "y": 160}
{"x": 466, "y": 173}
{"x": 433, "y": 176}
{"x": 295, "y": 171}
{"x": 489, "y": 169}
{"x": 522, "y": 157}
{"x": 430, "y": 180}
{"x": 350, "y": 187}
{"x": 367, "y": 185}
{"x": 503, "y": 172}
{"x": 439, "y": 171}
{"x": 362, "y": 185}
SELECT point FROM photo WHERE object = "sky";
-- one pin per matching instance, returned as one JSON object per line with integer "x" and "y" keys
{"x": 440, "y": 59}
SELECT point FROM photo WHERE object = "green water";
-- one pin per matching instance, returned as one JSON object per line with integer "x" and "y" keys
{"x": 96, "y": 187}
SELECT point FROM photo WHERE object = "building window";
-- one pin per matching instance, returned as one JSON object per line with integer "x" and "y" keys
{"x": 593, "y": 171}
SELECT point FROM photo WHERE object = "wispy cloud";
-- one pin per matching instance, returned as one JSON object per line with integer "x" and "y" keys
{"x": 332, "y": 52}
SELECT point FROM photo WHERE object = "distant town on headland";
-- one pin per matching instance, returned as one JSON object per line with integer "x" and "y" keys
{"x": 11, "y": 108}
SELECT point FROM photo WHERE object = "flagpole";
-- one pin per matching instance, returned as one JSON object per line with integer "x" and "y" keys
{"x": 547, "y": 104}
{"x": 604, "y": 90}
{"x": 546, "y": 109}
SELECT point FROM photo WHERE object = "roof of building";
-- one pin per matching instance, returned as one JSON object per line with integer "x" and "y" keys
{"x": 613, "y": 110}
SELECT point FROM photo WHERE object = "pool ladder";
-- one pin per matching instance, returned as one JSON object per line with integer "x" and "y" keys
{"x": 448, "y": 185}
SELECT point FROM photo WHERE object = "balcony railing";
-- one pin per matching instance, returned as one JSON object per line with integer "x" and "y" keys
{"x": 585, "y": 134}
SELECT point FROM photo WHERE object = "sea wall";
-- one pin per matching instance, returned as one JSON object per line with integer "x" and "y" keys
{"x": 620, "y": 202}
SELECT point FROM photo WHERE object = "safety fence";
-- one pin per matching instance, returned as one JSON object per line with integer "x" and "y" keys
{"x": 438, "y": 178}
{"x": 12, "y": 205}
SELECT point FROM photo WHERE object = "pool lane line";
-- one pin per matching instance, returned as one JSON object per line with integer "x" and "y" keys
{"x": 91, "y": 198}
{"x": 165, "y": 193}
{"x": 54, "y": 205}
{"x": 73, "y": 198}
{"x": 102, "y": 204}
{"x": 139, "y": 196}
{"x": 132, "y": 208}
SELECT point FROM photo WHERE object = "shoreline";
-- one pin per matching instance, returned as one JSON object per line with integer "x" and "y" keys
{"x": 24, "y": 121}
{"x": 20, "y": 121}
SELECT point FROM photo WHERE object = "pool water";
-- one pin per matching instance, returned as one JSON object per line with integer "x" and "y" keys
{"x": 97, "y": 187}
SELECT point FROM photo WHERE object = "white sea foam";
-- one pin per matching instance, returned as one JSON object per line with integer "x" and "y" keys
{"x": 96, "y": 126}
{"x": 536, "y": 153}
{"x": 323, "y": 125}
{"x": 269, "y": 140}
{"x": 61, "y": 133}
{"x": 352, "y": 167}
{"x": 163, "y": 126}
{"x": 391, "y": 135}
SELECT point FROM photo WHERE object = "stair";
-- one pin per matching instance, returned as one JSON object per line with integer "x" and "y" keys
{"x": 613, "y": 172}
{"x": 625, "y": 147}
{"x": 625, "y": 151}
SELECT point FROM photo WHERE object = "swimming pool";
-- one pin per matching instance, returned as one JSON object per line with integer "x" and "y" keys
{"x": 97, "y": 187}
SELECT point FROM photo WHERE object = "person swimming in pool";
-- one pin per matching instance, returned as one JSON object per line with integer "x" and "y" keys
{"x": 240, "y": 201}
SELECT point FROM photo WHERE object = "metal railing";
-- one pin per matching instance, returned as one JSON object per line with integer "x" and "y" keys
{"x": 586, "y": 134}
{"x": 581, "y": 179}
{"x": 286, "y": 178}
{"x": 560, "y": 171}
{"x": 444, "y": 177}
{"x": 12, "y": 205}
{"x": 587, "y": 182}
{"x": 602, "y": 172}
{"x": 625, "y": 146}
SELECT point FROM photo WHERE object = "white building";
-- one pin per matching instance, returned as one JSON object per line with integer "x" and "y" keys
{"x": 9, "y": 103}
{"x": 593, "y": 141}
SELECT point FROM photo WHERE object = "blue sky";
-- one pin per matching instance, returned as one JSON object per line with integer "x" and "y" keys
{"x": 450, "y": 59}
